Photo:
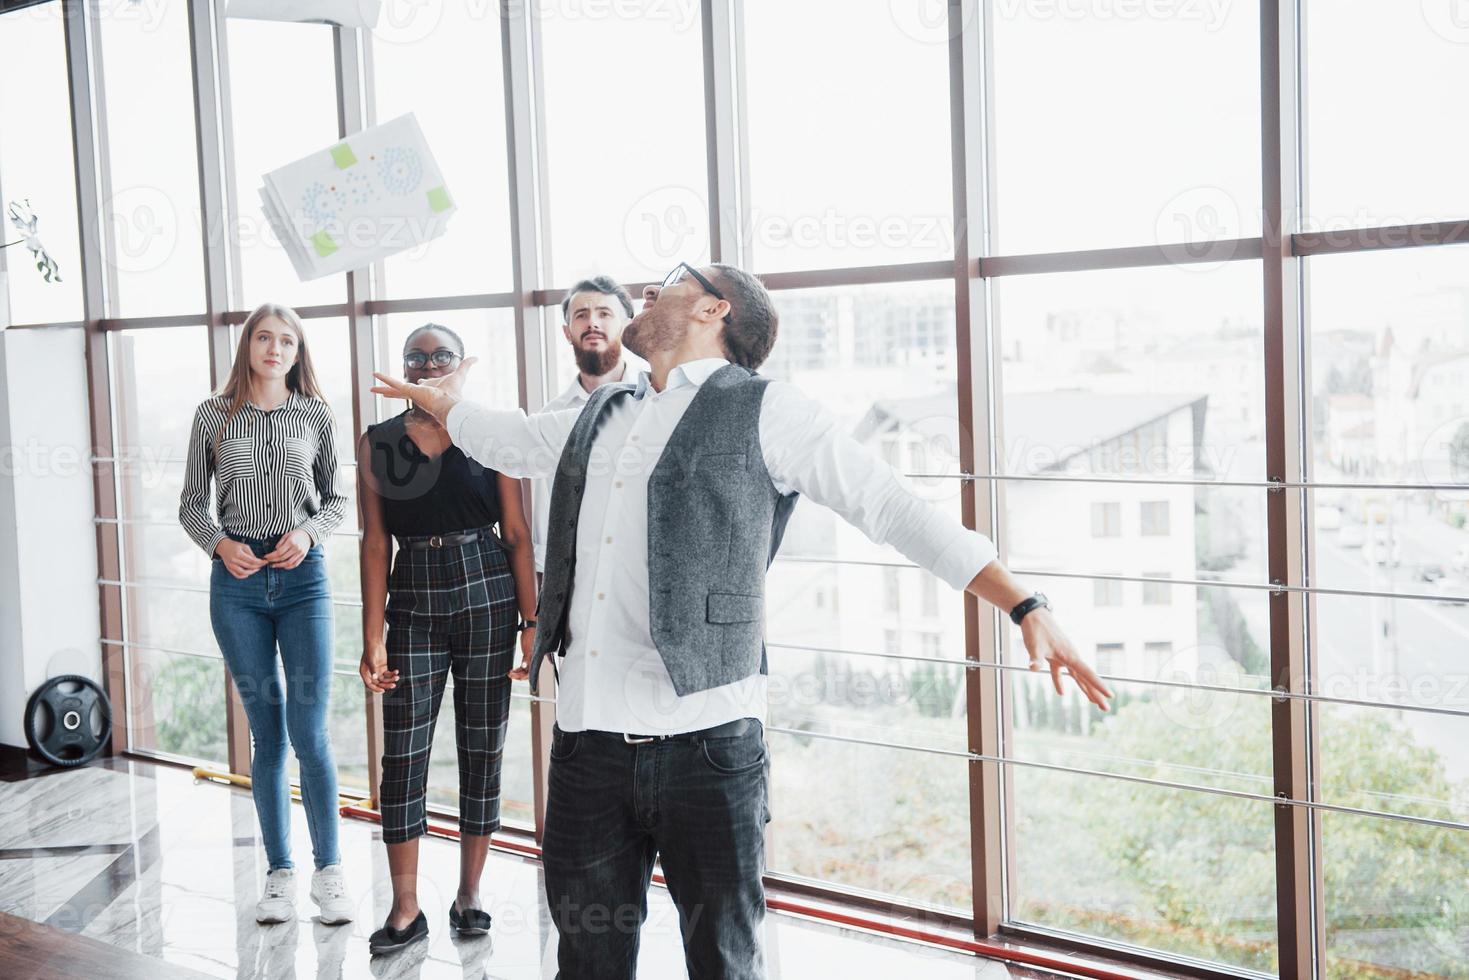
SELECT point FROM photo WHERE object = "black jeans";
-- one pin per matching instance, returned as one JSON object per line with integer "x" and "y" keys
{"x": 701, "y": 804}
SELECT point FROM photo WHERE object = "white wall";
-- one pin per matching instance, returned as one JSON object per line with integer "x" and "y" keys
{"x": 49, "y": 611}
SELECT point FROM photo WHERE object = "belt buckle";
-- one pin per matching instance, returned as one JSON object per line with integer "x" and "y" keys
{"x": 638, "y": 741}
{"x": 435, "y": 541}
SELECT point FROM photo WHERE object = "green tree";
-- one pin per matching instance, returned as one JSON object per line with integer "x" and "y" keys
{"x": 1459, "y": 454}
{"x": 1194, "y": 872}
{"x": 189, "y": 706}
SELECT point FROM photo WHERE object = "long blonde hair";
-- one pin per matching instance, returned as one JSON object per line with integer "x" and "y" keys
{"x": 301, "y": 378}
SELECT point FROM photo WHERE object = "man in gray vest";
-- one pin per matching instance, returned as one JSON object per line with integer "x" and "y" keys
{"x": 669, "y": 501}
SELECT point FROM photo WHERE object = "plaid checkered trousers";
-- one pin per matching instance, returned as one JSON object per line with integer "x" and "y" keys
{"x": 449, "y": 609}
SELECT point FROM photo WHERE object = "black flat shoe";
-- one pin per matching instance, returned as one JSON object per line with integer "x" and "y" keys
{"x": 470, "y": 922}
{"x": 390, "y": 940}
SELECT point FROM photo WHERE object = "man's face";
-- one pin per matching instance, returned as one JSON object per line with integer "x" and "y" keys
{"x": 593, "y": 327}
{"x": 668, "y": 314}
{"x": 594, "y": 321}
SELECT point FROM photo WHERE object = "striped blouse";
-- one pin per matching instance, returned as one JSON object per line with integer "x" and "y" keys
{"x": 274, "y": 472}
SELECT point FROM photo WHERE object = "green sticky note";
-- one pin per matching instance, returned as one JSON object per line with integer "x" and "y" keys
{"x": 343, "y": 156}
{"x": 324, "y": 244}
{"x": 438, "y": 199}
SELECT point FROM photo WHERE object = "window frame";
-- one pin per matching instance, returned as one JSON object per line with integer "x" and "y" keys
{"x": 973, "y": 271}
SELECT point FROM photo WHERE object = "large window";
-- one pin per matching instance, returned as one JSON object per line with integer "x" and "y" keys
{"x": 855, "y": 170}
{"x": 273, "y": 66}
{"x": 442, "y": 63}
{"x": 625, "y": 163}
{"x": 1242, "y": 500}
{"x": 153, "y": 223}
{"x": 1383, "y": 144}
{"x": 176, "y": 675}
{"x": 1389, "y": 393}
{"x": 36, "y": 164}
{"x": 1134, "y": 375}
{"x": 1125, "y": 124}
{"x": 853, "y": 639}
{"x": 1125, "y": 395}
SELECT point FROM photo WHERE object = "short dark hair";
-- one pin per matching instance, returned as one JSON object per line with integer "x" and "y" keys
{"x": 419, "y": 331}
{"x": 605, "y": 285}
{"x": 750, "y": 327}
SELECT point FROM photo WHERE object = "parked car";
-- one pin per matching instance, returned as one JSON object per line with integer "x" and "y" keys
{"x": 1328, "y": 517}
{"x": 1430, "y": 573}
{"x": 1351, "y": 536}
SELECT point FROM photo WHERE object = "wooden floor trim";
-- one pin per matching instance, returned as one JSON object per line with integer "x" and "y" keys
{"x": 32, "y": 951}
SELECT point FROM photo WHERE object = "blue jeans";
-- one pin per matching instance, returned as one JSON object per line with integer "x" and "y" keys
{"x": 698, "y": 802}
{"x": 292, "y": 608}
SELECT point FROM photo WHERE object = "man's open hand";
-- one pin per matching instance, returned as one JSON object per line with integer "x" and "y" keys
{"x": 434, "y": 395}
{"x": 1049, "y": 647}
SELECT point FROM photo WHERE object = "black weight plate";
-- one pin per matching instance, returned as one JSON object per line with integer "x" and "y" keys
{"x": 59, "y": 720}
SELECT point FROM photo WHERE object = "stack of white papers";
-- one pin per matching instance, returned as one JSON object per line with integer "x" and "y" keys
{"x": 374, "y": 194}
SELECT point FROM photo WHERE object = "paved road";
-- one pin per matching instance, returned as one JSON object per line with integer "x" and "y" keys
{"x": 1408, "y": 650}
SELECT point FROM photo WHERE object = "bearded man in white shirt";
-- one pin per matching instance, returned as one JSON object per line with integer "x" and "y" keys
{"x": 593, "y": 315}
{"x": 670, "y": 498}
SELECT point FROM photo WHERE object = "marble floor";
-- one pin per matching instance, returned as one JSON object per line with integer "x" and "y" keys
{"x": 146, "y": 858}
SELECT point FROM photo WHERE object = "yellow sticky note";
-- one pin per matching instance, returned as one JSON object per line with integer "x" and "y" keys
{"x": 438, "y": 199}
{"x": 323, "y": 244}
{"x": 343, "y": 156}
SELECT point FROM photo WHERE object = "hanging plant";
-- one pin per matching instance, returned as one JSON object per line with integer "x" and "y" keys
{"x": 25, "y": 221}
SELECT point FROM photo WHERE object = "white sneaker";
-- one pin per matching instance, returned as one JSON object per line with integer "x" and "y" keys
{"x": 278, "y": 903}
{"x": 329, "y": 892}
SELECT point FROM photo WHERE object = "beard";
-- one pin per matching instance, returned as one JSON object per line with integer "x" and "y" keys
{"x": 599, "y": 362}
{"x": 649, "y": 333}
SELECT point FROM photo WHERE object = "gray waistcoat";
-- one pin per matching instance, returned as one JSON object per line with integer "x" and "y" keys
{"x": 715, "y": 521}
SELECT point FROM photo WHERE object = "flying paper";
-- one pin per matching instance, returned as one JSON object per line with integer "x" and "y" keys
{"x": 361, "y": 199}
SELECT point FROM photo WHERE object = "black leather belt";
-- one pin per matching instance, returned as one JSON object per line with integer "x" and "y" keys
{"x": 729, "y": 729}
{"x": 440, "y": 540}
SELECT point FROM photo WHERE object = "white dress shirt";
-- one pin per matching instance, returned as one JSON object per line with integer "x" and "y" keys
{"x": 575, "y": 396}
{"x": 612, "y": 677}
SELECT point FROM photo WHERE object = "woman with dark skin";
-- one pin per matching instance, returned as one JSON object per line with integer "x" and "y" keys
{"x": 449, "y": 605}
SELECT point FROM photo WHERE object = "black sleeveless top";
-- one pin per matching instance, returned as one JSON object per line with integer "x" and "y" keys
{"x": 422, "y": 496}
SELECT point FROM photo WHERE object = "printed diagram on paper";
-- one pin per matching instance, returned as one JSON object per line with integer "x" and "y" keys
{"x": 369, "y": 196}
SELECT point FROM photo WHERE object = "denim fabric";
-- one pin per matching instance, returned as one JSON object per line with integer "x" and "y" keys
{"x": 698, "y": 803}
{"x": 291, "y": 608}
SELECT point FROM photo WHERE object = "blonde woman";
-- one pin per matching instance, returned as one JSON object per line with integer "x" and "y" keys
{"x": 266, "y": 439}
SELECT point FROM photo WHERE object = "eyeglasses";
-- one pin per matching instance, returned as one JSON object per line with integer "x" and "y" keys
{"x": 678, "y": 273}
{"x": 418, "y": 360}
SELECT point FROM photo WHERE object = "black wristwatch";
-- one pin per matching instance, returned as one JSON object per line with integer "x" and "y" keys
{"x": 1026, "y": 605}
{"x": 525, "y": 624}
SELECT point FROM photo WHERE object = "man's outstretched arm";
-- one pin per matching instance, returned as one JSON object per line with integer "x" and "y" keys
{"x": 806, "y": 449}
{"x": 508, "y": 442}
{"x": 1047, "y": 645}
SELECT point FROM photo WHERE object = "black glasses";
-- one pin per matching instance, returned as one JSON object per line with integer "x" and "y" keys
{"x": 683, "y": 267}
{"x": 418, "y": 360}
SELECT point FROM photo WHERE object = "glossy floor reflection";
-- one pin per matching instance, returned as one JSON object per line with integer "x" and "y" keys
{"x": 143, "y": 857}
